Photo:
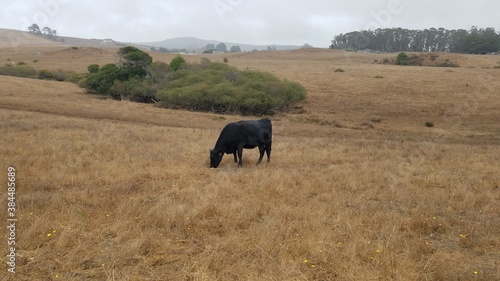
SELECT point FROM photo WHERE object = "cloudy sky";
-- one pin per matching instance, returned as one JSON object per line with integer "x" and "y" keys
{"x": 295, "y": 22}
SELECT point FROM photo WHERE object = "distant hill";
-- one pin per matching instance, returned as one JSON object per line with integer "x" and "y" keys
{"x": 15, "y": 38}
{"x": 196, "y": 44}
{"x": 100, "y": 43}
{"x": 10, "y": 37}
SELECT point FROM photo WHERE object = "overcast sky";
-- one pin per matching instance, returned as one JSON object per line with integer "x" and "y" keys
{"x": 294, "y": 22}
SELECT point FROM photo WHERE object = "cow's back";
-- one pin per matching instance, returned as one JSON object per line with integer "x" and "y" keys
{"x": 233, "y": 134}
{"x": 230, "y": 134}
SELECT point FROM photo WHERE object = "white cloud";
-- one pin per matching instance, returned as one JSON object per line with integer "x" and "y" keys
{"x": 243, "y": 21}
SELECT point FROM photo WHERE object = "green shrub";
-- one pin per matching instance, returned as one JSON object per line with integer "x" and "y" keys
{"x": 204, "y": 86}
{"x": 59, "y": 75}
{"x": 159, "y": 71}
{"x": 18, "y": 71}
{"x": 25, "y": 71}
{"x": 177, "y": 62}
{"x": 45, "y": 75}
{"x": 402, "y": 59}
{"x": 73, "y": 77}
{"x": 134, "y": 62}
{"x": 134, "y": 89}
{"x": 220, "y": 88}
{"x": 339, "y": 70}
{"x": 429, "y": 124}
{"x": 93, "y": 68}
{"x": 101, "y": 81}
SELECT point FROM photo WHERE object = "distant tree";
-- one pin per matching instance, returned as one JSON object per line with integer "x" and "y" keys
{"x": 47, "y": 31}
{"x": 457, "y": 41}
{"x": 306, "y": 46}
{"x": 177, "y": 62}
{"x": 271, "y": 48}
{"x": 402, "y": 59}
{"x": 133, "y": 65}
{"x": 491, "y": 40}
{"x": 101, "y": 81}
{"x": 235, "y": 49}
{"x": 482, "y": 41}
{"x": 134, "y": 61}
{"x": 153, "y": 49}
{"x": 475, "y": 40}
{"x": 34, "y": 29}
{"x": 210, "y": 46}
{"x": 221, "y": 47}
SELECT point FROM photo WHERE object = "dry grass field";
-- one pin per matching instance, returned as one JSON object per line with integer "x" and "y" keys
{"x": 357, "y": 188}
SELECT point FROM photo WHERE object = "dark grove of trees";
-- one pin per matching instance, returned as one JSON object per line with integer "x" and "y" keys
{"x": 473, "y": 41}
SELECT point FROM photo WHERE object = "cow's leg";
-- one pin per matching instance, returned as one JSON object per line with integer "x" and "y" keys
{"x": 268, "y": 152}
{"x": 240, "y": 155}
{"x": 261, "y": 151}
{"x": 235, "y": 158}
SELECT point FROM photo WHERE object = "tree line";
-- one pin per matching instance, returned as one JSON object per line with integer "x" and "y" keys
{"x": 46, "y": 32}
{"x": 221, "y": 47}
{"x": 473, "y": 41}
{"x": 165, "y": 50}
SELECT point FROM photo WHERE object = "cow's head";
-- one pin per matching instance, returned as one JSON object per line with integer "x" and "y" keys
{"x": 215, "y": 157}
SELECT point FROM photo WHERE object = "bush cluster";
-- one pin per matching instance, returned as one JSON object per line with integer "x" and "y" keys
{"x": 217, "y": 87}
{"x": 404, "y": 59}
{"x": 125, "y": 80}
{"x": 21, "y": 69}
{"x": 203, "y": 86}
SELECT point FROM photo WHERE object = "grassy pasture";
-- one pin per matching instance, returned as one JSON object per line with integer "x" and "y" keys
{"x": 357, "y": 188}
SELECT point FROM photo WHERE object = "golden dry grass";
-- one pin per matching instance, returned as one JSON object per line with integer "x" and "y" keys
{"x": 357, "y": 188}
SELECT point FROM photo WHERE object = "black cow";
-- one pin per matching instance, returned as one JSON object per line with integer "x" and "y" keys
{"x": 243, "y": 134}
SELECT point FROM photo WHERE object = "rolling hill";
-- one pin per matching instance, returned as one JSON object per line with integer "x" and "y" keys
{"x": 9, "y": 37}
{"x": 358, "y": 187}
{"x": 196, "y": 44}
{"x": 16, "y": 38}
